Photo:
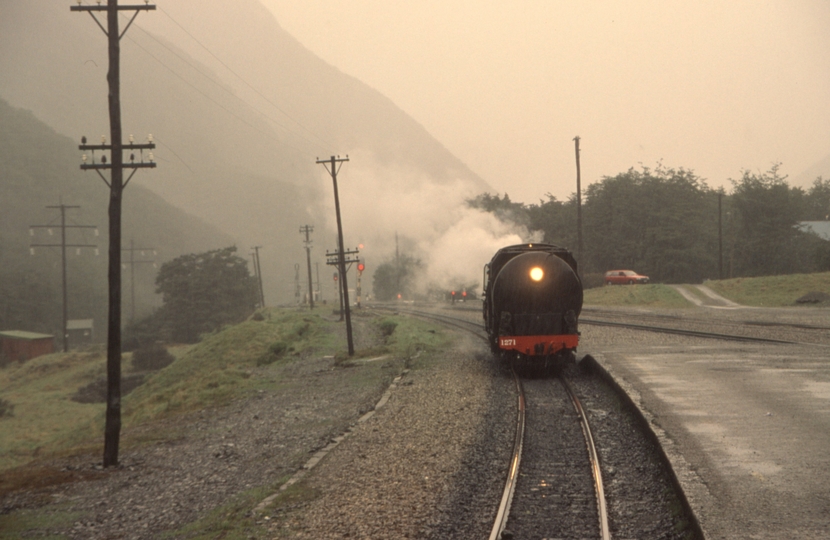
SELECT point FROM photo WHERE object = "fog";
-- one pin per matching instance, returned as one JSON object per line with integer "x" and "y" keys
{"x": 716, "y": 87}
{"x": 434, "y": 102}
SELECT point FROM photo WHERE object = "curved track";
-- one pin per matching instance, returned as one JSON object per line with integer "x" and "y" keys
{"x": 549, "y": 515}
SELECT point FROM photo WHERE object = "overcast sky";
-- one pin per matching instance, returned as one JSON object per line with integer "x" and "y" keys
{"x": 712, "y": 86}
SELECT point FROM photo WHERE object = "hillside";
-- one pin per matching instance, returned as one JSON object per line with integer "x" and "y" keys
{"x": 240, "y": 111}
{"x": 40, "y": 168}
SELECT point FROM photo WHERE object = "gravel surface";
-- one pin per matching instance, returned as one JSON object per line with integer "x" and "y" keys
{"x": 430, "y": 463}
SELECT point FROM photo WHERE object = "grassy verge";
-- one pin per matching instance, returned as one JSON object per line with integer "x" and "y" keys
{"x": 44, "y": 421}
{"x": 227, "y": 365}
{"x": 651, "y": 295}
{"x": 44, "y": 417}
{"x": 772, "y": 291}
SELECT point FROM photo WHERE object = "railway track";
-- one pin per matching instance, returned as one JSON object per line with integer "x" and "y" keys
{"x": 755, "y": 331}
{"x": 759, "y": 329}
{"x": 557, "y": 493}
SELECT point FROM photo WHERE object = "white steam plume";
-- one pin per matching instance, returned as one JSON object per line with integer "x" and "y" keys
{"x": 429, "y": 215}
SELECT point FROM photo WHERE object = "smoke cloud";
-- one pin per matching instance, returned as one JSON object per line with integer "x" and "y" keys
{"x": 387, "y": 208}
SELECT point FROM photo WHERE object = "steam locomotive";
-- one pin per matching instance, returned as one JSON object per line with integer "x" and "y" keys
{"x": 532, "y": 301}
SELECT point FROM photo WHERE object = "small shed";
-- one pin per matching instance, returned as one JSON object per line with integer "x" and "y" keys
{"x": 21, "y": 345}
{"x": 80, "y": 331}
{"x": 818, "y": 228}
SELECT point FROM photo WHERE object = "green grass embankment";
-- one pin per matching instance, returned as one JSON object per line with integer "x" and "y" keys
{"x": 651, "y": 295}
{"x": 233, "y": 363}
{"x": 772, "y": 291}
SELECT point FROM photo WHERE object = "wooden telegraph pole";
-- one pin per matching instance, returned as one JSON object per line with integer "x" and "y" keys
{"x": 112, "y": 430}
{"x": 308, "y": 229}
{"x": 332, "y": 169}
{"x": 63, "y": 245}
{"x": 578, "y": 208}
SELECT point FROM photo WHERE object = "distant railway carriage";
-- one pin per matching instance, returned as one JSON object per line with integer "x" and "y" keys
{"x": 532, "y": 302}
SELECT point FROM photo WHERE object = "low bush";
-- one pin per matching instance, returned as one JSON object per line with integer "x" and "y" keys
{"x": 592, "y": 281}
{"x": 6, "y": 408}
{"x": 96, "y": 391}
{"x": 152, "y": 357}
{"x": 275, "y": 351}
{"x": 387, "y": 327}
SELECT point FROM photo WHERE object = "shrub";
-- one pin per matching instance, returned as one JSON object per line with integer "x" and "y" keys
{"x": 96, "y": 391}
{"x": 152, "y": 357}
{"x": 275, "y": 351}
{"x": 6, "y": 408}
{"x": 387, "y": 327}
{"x": 593, "y": 280}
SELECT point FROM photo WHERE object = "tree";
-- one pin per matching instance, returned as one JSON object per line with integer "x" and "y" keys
{"x": 661, "y": 222}
{"x": 503, "y": 208}
{"x": 202, "y": 292}
{"x": 817, "y": 206}
{"x": 767, "y": 211}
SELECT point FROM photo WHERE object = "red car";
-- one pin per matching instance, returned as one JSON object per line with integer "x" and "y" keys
{"x": 624, "y": 277}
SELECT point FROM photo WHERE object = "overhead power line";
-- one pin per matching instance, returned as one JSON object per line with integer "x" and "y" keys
{"x": 320, "y": 142}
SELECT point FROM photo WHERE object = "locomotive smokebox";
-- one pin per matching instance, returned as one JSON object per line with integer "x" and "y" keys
{"x": 536, "y": 293}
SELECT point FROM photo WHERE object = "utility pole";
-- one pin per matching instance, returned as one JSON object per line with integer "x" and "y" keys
{"x": 112, "y": 430}
{"x": 578, "y": 208}
{"x": 297, "y": 282}
{"x": 720, "y": 235}
{"x": 333, "y": 259}
{"x": 131, "y": 250}
{"x": 308, "y": 229}
{"x": 332, "y": 168}
{"x": 258, "y": 272}
{"x": 319, "y": 288}
{"x": 63, "y": 245}
{"x": 397, "y": 267}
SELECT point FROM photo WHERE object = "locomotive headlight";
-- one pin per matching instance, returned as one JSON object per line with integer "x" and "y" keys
{"x": 536, "y": 273}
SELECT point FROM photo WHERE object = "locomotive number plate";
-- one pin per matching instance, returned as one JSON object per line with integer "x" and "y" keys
{"x": 507, "y": 342}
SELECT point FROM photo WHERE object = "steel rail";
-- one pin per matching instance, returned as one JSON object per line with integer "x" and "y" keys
{"x": 513, "y": 473}
{"x": 605, "y": 532}
{"x": 678, "y": 331}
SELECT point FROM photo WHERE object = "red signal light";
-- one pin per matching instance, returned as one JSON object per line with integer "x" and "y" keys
{"x": 453, "y": 293}
{"x": 361, "y": 267}
{"x": 464, "y": 293}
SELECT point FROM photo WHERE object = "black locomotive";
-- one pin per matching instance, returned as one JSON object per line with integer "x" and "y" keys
{"x": 532, "y": 301}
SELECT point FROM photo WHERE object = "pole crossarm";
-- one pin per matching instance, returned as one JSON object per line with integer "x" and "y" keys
{"x": 91, "y": 9}
{"x": 65, "y": 245}
{"x": 142, "y": 146}
{"x": 134, "y": 7}
{"x": 140, "y": 165}
{"x": 65, "y": 226}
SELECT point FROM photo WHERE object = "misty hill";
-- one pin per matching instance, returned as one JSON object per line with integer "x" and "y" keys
{"x": 40, "y": 168}
{"x": 240, "y": 112}
{"x": 818, "y": 169}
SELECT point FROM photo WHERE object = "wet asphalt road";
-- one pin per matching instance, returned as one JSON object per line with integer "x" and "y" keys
{"x": 747, "y": 426}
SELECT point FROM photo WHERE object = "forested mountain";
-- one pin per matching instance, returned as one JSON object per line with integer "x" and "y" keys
{"x": 40, "y": 168}
{"x": 240, "y": 112}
